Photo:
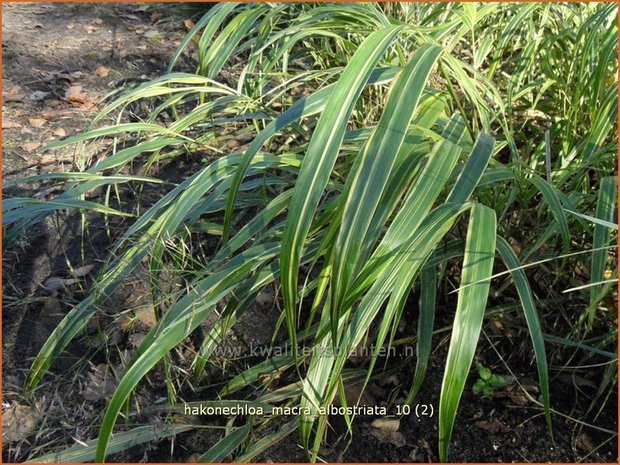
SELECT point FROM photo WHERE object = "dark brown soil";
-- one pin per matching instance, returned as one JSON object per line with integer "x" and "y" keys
{"x": 490, "y": 430}
{"x": 59, "y": 61}
{"x": 49, "y": 48}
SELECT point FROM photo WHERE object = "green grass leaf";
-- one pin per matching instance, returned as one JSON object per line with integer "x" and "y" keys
{"x": 426, "y": 319}
{"x": 606, "y": 212}
{"x": 119, "y": 443}
{"x": 226, "y": 445}
{"x": 471, "y": 305}
{"x": 319, "y": 161}
{"x": 367, "y": 183}
{"x": 533, "y": 322}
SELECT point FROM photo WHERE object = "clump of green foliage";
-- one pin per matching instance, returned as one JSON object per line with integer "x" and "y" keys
{"x": 487, "y": 382}
{"x": 385, "y": 142}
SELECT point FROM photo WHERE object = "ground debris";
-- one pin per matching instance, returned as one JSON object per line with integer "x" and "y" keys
{"x": 18, "y": 422}
{"x": 8, "y": 124}
{"x": 386, "y": 424}
{"x": 31, "y": 147}
{"x": 101, "y": 384}
{"x": 492, "y": 426}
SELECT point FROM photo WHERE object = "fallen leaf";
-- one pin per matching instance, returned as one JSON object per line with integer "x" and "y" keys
{"x": 584, "y": 443}
{"x": 493, "y": 426}
{"x": 391, "y": 380}
{"x": 130, "y": 16}
{"x": 270, "y": 379}
{"x": 389, "y": 437}
{"x": 13, "y": 97}
{"x": 530, "y": 385}
{"x": 18, "y": 422}
{"x": 156, "y": 16}
{"x": 147, "y": 317}
{"x": 55, "y": 103}
{"x": 51, "y": 159}
{"x": 189, "y": 24}
{"x": 98, "y": 21}
{"x": 54, "y": 283}
{"x": 114, "y": 336}
{"x": 125, "y": 322}
{"x": 13, "y": 94}
{"x": 537, "y": 114}
{"x": 102, "y": 71}
{"x": 151, "y": 34}
{"x": 265, "y": 298}
{"x": 233, "y": 144}
{"x": 101, "y": 384}
{"x": 83, "y": 270}
{"x": 416, "y": 455}
{"x": 577, "y": 381}
{"x": 57, "y": 77}
{"x": 75, "y": 94}
{"x": 60, "y": 132}
{"x": 386, "y": 424}
{"x": 422, "y": 452}
{"x": 37, "y": 122}
{"x": 30, "y": 146}
{"x": 52, "y": 114}
{"x": 70, "y": 26}
{"x": 8, "y": 124}
{"x": 136, "y": 339}
{"x": 519, "y": 397}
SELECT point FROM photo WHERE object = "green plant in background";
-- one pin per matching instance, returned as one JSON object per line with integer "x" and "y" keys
{"x": 487, "y": 382}
{"x": 383, "y": 142}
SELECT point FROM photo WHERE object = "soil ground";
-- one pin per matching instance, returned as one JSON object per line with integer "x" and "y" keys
{"x": 58, "y": 61}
